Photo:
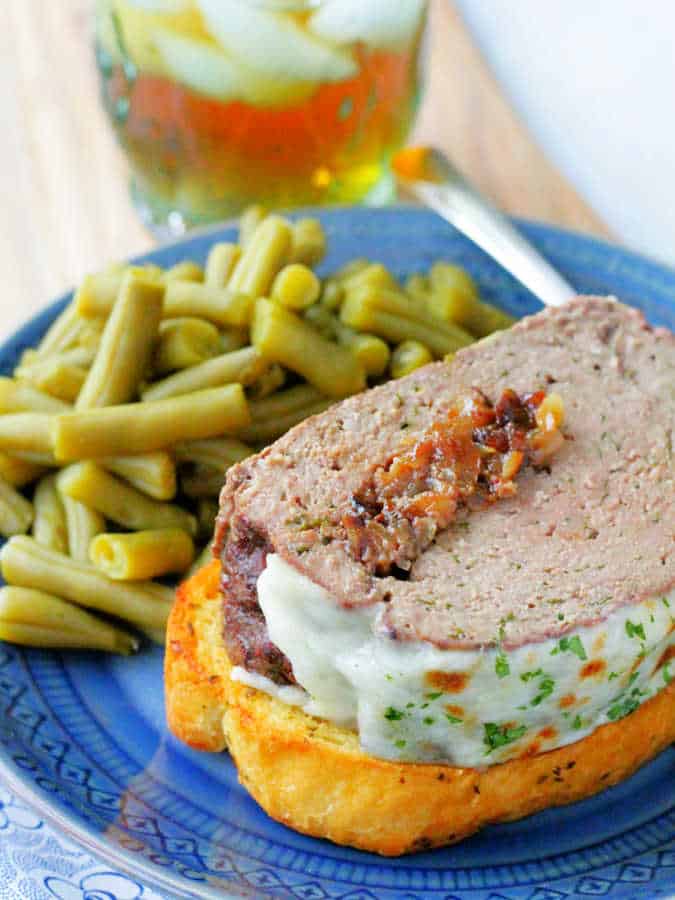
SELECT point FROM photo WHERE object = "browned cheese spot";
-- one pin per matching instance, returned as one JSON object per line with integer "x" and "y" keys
{"x": 457, "y": 711}
{"x": 531, "y": 750}
{"x": 448, "y": 682}
{"x": 567, "y": 701}
{"x": 593, "y": 667}
{"x": 548, "y": 733}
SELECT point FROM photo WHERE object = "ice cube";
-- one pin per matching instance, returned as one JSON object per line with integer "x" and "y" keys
{"x": 208, "y": 70}
{"x": 160, "y": 6}
{"x": 200, "y": 66}
{"x": 377, "y": 23}
{"x": 273, "y": 44}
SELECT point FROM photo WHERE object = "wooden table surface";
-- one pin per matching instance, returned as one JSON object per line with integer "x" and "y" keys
{"x": 66, "y": 209}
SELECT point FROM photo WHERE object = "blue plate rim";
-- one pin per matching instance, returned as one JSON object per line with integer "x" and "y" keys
{"x": 79, "y": 830}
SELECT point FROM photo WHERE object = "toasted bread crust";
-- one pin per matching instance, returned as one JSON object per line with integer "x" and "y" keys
{"x": 312, "y": 775}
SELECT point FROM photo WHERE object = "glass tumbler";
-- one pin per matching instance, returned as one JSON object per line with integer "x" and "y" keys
{"x": 223, "y": 103}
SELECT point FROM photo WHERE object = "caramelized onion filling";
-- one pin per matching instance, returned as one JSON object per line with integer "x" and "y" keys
{"x": 478, "y": 449}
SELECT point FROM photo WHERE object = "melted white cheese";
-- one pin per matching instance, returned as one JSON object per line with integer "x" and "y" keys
{"x": 411, "y": 701}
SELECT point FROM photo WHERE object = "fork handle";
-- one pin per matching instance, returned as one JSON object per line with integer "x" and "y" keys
{"x": 455, "y": 200}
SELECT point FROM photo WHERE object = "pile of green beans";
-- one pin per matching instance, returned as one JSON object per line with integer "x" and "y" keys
{"x": 117, "y": 429}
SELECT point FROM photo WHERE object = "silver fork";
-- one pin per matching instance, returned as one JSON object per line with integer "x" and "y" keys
{"x": 435, "y": 182}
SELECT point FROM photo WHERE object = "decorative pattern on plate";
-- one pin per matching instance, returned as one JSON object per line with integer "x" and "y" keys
{"x": 83, "y": 741}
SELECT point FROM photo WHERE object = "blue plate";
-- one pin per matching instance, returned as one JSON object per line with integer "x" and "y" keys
{"x": 82, "y": 737}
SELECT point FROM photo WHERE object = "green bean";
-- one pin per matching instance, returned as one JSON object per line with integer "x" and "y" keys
{"x": 262, "y": 258}
{"x": 18, "y": 472}
{"x": 454, "y": 291}
{"x": 220, "y": 263}
{"x": 152, "y": 473}
{"x": 284, "y": 402}
{"x": 267, "y": 383}
{"x": 372, "y": 352}
{"x": 89, "y": 333}
{"x": 308, "y": 242}
{"x": 56, "y": 378}
{"x": 281, "y": 336}
{"x": 408, "y": 356}
{"x": 144, "y": 427}
{"x": 17, "y": 396}
{"x": 222, "y": 305}
{"x": 272, "y": 417}
{"x": 454, "y": 296}
{"x": 25, "y": 563}
{"x": 374, "y": 276}
{"x": 28, "y": 435}
{"x": 295, "y": 287}
{"x": 264, "y": 432}
{"x": 36, "y": 619}
{"x": 16, "y": 513}
{"x": 118, "y": 501}
{"x": 351, "y": 268}
{"x": 322, "y": 320}
{"x": 126, "y": 345}
{"x": 81, "y": 357}
{"x": 68, "y": 331}
{"x": 202, "y": 480}
{"x": 207, "y": 510}
{"x": 59, "y": 335}
{"x": 217, "y": 452}
{"x": 242, "y": 366}
{"x": 97, "y": 293}
{"x": 397, "y": 318}
{"x": 185, "y": 342}
{"x": 249, "y": 220}
{"x": 143, "y": 554}
{"x": 83, "y": 524}
{"x": 49, "y": 524}
{"x": 332, "y": 295}
{"x": 204, "y": 558}
{"x": 187, "y": 270}
{"x": 233, "y": 339}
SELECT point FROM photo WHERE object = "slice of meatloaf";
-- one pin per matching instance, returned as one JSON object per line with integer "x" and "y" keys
{"x": 593, "y": 533}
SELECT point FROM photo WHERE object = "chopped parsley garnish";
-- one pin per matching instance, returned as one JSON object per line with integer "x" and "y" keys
{"x": 502, "y": 667}
{"x": 626, "y": 704}
{"x": 528, "y": 676}
{"x": 434, "y": 696}
{"x": 577, "y": 723}
{"x": 500, "y": 735}
{"x": 546, "y": 687}
{"x": 633, "y": 630}
{"x": 612, "y": 676}
{"x": 454, "y": 720}
{"x": 400, "y": 744}
{"x": 667, "y": 675}
{"x": 570, "y": 645}
{"x": 428, "y": 720}
{"x": 392, "y": 714}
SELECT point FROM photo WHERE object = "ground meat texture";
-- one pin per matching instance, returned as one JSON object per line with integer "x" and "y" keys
{"x": 593, "y": 534}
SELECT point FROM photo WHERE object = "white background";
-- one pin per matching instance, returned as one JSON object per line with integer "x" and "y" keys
{"x": 594, "y": 80}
